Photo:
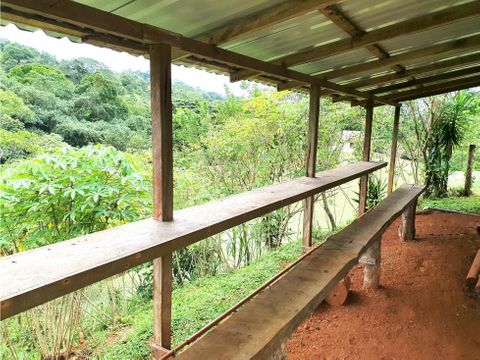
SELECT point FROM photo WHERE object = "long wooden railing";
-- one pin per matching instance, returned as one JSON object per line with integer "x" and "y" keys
{"x": 34, "y": 277}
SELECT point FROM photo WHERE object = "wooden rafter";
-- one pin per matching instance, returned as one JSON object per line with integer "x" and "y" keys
{"x": 72, "y": 13}
{"x": 443, "y": 48}
{"x": 261, "y": 20}
{"x": 435, "y": 66}
{"x": 418, "y": 24}
{"x": 336, "y": 15}
{"x": 428, "y": 79}
{"x": 419, "y": 82}
{"x": 448, "y": 86}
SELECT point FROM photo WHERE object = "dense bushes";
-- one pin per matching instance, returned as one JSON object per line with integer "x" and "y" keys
{"x": 67, "y": 193}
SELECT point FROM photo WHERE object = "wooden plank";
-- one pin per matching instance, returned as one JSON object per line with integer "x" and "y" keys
{"x": 418, "y": 24}
{"x": 162, "y": 159}
{"x": 367, "y": 141}
{"x": 308, "y": 205}
{"x": 70, "y": 12}
{"x": 48, "y": 272}
{"x": 393, "y": 150}
{"x": 443, "y": 48}
{"x": 269, "y": 318}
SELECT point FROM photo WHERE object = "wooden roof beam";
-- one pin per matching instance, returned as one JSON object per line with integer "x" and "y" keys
{"x": 435, "y": 89}
{"x": 420, "y": 81}
{"x": 113, "y": 25}
{"x": 443, "y": 48}
{"x": 259, "y": 21}
{"x": 418, "y": 24}
{"x": 428, "y": 79}
{"x": 334, "y": 14}
{"x": 436, "y": 66}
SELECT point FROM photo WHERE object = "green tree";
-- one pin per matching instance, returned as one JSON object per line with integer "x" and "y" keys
{"x": 12, "y": 107}
{"x": 98, "y": 98}
{"x": 43, "y": 77}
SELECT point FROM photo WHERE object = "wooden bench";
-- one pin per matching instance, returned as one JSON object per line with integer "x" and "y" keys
{"x": 34, "y": 277}
{"x": 258, "y": 328}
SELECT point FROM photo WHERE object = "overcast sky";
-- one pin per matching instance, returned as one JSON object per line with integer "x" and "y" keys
{"x": 64, "y": 49}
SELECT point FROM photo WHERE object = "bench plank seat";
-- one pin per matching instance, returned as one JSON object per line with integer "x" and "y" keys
{"x": 261, "y": 325}
{"x": 34, "y": 277}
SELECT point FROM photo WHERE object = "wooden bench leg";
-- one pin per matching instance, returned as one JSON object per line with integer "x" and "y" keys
{"x": 279, "y": 353}
{"x": 406, "y": 231}
{"x": 371, "y": 260}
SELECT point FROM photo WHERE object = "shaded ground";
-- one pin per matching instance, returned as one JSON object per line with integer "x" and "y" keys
{"x": 423, "y": 309}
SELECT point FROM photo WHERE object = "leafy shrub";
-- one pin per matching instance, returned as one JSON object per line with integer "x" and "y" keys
{"x": 67, "y": 193}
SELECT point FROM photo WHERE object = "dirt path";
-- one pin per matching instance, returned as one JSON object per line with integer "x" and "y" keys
{"x": 423, "y": 309}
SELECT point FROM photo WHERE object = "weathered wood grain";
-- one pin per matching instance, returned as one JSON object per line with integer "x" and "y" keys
{"x": 269, "y": 318}
{"x": 34, "y": 277}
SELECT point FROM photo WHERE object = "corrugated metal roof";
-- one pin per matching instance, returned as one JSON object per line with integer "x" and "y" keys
{"x": 198, "y": 17}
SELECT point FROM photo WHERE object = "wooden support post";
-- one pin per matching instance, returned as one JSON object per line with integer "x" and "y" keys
{"x": 311, "y": 162}
{"x": 161, "y": 107}
{"x": 406, "y": 231}
{"x": 467, "y": 191}
{"x": 393, "y": 150}
{"x": 367, "y": 139}
{"x": 371, "y": 260}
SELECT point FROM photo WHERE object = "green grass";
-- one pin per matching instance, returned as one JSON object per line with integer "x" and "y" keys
{"x": 194, "y": 305}
{"x": 467, "y": 204}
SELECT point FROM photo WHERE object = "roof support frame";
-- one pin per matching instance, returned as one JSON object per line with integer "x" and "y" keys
{"x": 113, "y": 25}
{"x": 418, "y": 24}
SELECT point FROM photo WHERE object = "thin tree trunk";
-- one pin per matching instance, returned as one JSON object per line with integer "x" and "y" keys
{"x": 468, "y": 174}
{"x": 331, "y": 218}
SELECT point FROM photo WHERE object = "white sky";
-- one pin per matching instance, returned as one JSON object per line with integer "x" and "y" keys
{"x": 64, "y": 49}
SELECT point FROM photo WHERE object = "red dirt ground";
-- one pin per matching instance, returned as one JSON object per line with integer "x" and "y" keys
{"x": 423, "y": 309}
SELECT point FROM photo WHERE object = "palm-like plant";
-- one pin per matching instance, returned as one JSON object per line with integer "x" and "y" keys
{"x": 448, "y": 130}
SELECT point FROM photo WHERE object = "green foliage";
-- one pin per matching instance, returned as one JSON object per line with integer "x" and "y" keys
{"x": 16, "y": 54}
{"x": 13, "y": 110}
{"x": 43, "y": 77}
{"x": 465, "y": 204}
{"x": 67, "y": 193}
{"x": 99, "y": 98}
{"x": 197, "y": 303}
{"x": 17, "y": 145}
{"x": 447, "y": 132}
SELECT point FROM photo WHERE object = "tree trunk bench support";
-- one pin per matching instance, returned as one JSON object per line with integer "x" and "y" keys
{"x": 259, "y": 328}
{"x": 371, "y": 260}
{"x": 406, "y": 231}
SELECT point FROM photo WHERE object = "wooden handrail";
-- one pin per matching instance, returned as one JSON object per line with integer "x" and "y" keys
{"x": 34, "y": 277}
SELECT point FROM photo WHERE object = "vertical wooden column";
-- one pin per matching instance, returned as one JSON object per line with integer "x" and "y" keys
{"x": 367, "y": 139}
{"x": 371, "y": 260}
{"x": 311, "y": 162}
{"x": 406, "y": 231}
{"x": 161, "y": 108}
{"x": 393, "y": 150}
